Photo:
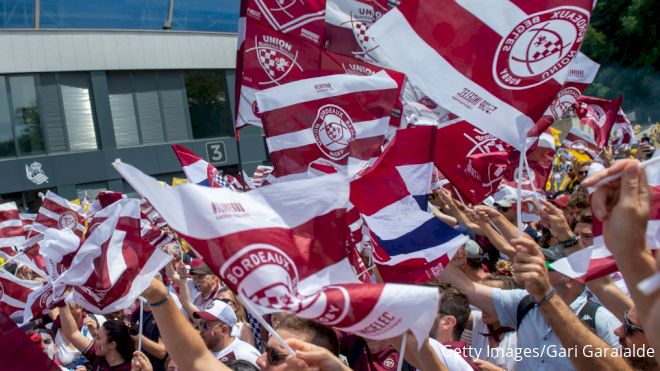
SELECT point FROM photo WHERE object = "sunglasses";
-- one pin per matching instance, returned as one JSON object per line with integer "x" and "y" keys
{"x": 275, "y": 357}
{"x": 227, "y": 301}
{"x": 203, "y": 325}
{"x": 583, "y": 172}
{"x": 628, "y": 327}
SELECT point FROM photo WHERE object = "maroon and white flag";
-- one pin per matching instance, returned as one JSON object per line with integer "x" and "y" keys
{"x": 496, "y": 65}
{"x": 340, "y": 118}
{"x": 599, "y": 114}
{"x": 14, "y": 293}
{"x": 12, "y": 234}
{"x": 39, "y": 302}
{"x": 57, "y": 212}
{"x": 622, "y": 131}
{"x": 347, "y": 22}
{"x": 114, "y": 264}
{"x": 283, "y": 249}
{"x": 270, "y": 59}
{"x": 473, "y": 160}
{"x": 579, "y": 140}
{"x": 581, "y": 73}
{"x": 304, "y": 19}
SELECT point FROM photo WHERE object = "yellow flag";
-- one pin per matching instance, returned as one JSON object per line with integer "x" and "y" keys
{"x": 178, "y": 181}
{"x": 580, "y": 157}
{"x": 555, "y": 134}
{"x": 76, "y": 201}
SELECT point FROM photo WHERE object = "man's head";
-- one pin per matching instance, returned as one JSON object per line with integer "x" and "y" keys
{"x": 583, "y": 228}
{"x": 203, "y": 278}
{"x": 291, "y": 326}
{"x": 474, "y": 254}
{"x": 582, "y": 172}
{"x": 631, "y": 336}
{"x": 45, "y": 340}
{"x": 452, "y": 315}
{"x": 215, "y": 324}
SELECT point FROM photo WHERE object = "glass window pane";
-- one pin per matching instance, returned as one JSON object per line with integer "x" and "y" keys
{"x": 78, "y": 113}
{"x": 17, "y": 14}
{"x": 172, "y": 93}
{"x": 26, "y": 114}
{"x": 123, "y": 109}
{"x": 50, "y": 110}
{"x": 210, "y": 114}
{"x": 206, "y": 15}
{"x": 148, "y": 107}
{"x": 7, "y": 147}
{"x": 114, "y": 14}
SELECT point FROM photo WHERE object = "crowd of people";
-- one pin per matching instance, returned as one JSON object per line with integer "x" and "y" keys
{"x": 502, "y": 306}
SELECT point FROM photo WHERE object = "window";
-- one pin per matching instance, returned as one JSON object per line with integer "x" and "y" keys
{"x": 208, "y": 103}
{"x": 147, "y": 107}
{"x": 7, "y": 147}
{"x": 76, "y": 100}
{"x": 17, "y": 14}
{"x": 27, "y": 125}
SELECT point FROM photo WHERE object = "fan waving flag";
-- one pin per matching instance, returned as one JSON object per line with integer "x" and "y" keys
{"x": 411, "y": 244}
{"x": 340, "y": 118}
{"x": 597, "y": 261}
{"x": 598, "y": 114}
{"x": 497, "y": 64}
{"x": 114, "y": 265}
{"x": 283, "y": 249}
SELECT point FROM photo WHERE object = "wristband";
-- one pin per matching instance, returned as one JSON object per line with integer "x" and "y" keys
{"x": 160, "y": 302}
{"x": 574, "y": 240}
{"x": 549, "y": 296}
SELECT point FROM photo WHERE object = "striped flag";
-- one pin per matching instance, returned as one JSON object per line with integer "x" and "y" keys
{"x": 623, "y": 130}
{"x": 411, "y": 244}
{"x": 12, "y": 233}
{"x": 114, "y": 264}
{"x": 599, "y": 114}
{"x": 57, "y": 212}
{"x": 284, "y": 250}
{"x": 14, "y": 292}
{"x": 497, "y": 64}
{"x": 301, "y": 19}
{"x": 340, "y": 118}
{"x": 201, "y": 172}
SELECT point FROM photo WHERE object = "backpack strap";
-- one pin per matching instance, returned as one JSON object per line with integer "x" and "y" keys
{"x": 524, "y": 306}
{"x": 588, "y": 314}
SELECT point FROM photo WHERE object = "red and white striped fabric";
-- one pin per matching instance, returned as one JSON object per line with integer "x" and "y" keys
{"x": 148, "y": 212}
{"x": 347, "y": 22}
{"x": 597, "y": 261}
{"x": 340, "y": 118}
{"x": 301, "y": 19}
{"x": 284, "y": 250}
{"x": 578, "y": 140}
{"x": 473, "y": 160}
{"x": 14, "y": 293}
{"x": 270, "y": 59}
{"x": 39, "y": 302}
{"x": 114, "y": 265}
{"x": 622, "y": 130}
{"x": 12, "y": 234}
{"x": 599, "y": 114}
{"x": 260, "y": 175}
{"x": 28, "y": 220}
{"x": 57, "y": 212}
{"x": 497, "y": 65}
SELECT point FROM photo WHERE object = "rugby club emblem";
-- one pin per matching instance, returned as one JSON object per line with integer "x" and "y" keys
{"x": 288, "y": 15}
{"x": 565, "y": 99}
{"x": 67, "y": 221}
{"x": 597, "y": 114}
{"x": 539, "y": 47}
{"x": 333, "y": 131}
{"x": 276, "y": 57}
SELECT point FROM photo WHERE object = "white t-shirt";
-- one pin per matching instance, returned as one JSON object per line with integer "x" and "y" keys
{"x": 449, "y": 358}
{"x": 481, "y": 347}
{"x": 238, "y": 350}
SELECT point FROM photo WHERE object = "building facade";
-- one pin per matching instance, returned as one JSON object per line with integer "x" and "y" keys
{"x": 83, "y": 82}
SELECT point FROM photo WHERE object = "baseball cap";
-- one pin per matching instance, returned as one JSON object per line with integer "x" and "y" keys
{"x": 217, "y": 311}
{"x": 197, "y": 266}
{"x": 473, "y": 250}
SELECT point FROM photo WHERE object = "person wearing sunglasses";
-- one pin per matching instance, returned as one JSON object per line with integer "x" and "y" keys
{"x": 632, "y": 337}
{"x": 215, "y": 325}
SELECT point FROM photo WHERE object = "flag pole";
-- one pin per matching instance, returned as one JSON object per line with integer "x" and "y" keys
{"x": 237, "y": 138}
{"x": 523, "y": 155}
{"x": 139, "y": 347}
{"x": 249, "y": 306}
{"x": 402, "y": 351}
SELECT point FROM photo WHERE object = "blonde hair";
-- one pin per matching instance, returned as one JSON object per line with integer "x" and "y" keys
{"x": 241, "y": 314}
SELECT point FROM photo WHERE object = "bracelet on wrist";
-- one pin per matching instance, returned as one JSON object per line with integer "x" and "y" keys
{"x": 571, "y": 242}
{"x": 547, "y": 297}
{"x": 160, "y": 302}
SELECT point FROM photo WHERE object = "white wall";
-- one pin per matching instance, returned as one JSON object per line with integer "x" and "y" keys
{"x": 89, "y": 50}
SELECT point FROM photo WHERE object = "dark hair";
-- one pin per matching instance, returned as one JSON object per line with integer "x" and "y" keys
{"x": 117, "y": 331}
{"x": 317, "y": 333}
{"x": 579, "y": 199}
{"x": 509, "y": 282}
{"x": 454, "y": 303}
{"x": 583, "y": 217}
{"x": 240, "y": 365}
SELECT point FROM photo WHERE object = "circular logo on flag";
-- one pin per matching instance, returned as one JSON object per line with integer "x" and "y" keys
{"x": 333, "y": 131}
{"x": 67, "y": 220}
{"x": 388, "y": 363}
{"x": 539, "y": 47}
{"x": 578, "y": 145}
{"x": 276, "y": 57}
{"x": 428, "y": 102}
{"x": 255, "y": 109}
{"x": 564, "y": 100}
{"x": 527, "y": 176}
{"x": 267, "y": 276}
{"x": 46, "y": 298}
{"x": 597, "y": 114}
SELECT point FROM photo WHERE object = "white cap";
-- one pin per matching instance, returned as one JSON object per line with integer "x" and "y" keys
{"x": 218, "y": 311}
